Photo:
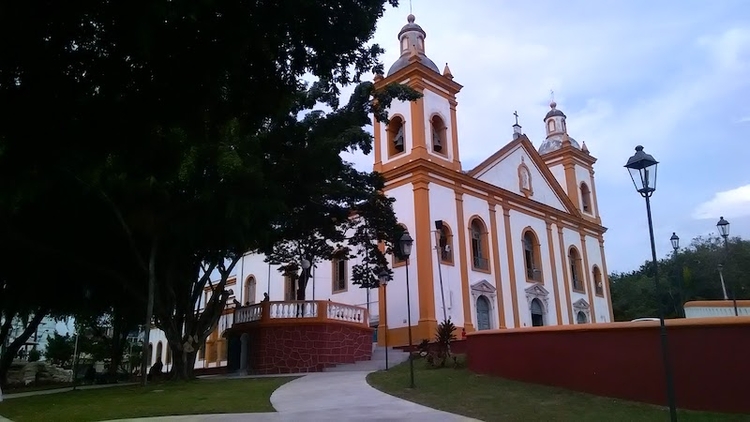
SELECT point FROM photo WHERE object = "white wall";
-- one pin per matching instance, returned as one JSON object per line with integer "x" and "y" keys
{"x": 443, "y": 207}
{"x": 504, "y": 173}
{"x": 397, "y": 315}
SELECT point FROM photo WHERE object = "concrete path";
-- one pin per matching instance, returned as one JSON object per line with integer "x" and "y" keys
{"x": 326, "y": 396}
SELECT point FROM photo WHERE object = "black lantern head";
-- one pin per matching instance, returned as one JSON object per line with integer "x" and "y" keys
{"x": 383, "y": 278}
{"x": 405, "y": 244}
{"x": 675, "y": 241}
{"x": 642, "y": 168}
{"x": 723, "y": 226}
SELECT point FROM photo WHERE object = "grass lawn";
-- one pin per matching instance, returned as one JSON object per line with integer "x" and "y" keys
{"x": 495, "y": 399}
{"x": 173, "y": 398}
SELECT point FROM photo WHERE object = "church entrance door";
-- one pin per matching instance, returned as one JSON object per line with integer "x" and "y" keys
{"x": 483, "y": 313}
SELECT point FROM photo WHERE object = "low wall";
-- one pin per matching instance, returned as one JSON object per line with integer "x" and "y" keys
{"x": 306, "y": 347}
{"x": 709, "y": 359}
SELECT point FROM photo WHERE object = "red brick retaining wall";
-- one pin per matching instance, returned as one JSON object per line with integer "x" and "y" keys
{"x": 710, "y": 360}
{"x": 305, "y": 347}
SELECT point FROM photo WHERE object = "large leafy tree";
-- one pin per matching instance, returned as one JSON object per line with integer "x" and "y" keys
{"x": 347, "y": 214}
{"x": 691, "y": 274}
{"x": 177, "y": 122}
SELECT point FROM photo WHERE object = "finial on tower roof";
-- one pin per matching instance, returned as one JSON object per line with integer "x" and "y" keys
{"x": 447, "y": 72}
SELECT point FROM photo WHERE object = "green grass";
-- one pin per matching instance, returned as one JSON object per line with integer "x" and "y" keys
{"x": 172, "y": 398}
{"x": 495, "y": 399}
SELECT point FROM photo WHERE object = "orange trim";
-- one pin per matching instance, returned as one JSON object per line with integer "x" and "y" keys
{"x": 418, "y": 72}
{"x": 462, "y": 255}
{"x": 553, "y": 268}
{"x": 454, "y": 135}
{"x": 511, "y": 266}
{"x": 435, "y": 173}
{"x": 587, "y": 276}
{"x": 423, "y": 243}
{"x": 618, "y": 326}
{"x": 605, "y": 279}
{"x": 715, "y": 304}
{"x": 572, "y": 184}
{"x": 496, "y": 261}
{"x": 524, "y": 142}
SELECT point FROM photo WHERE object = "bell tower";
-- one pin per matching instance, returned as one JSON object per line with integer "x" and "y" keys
{"x": 422, "y": 129}
{"x": 571, "y": 163}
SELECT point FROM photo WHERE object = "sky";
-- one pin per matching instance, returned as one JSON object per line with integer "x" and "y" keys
{"x": 671, "y": 76}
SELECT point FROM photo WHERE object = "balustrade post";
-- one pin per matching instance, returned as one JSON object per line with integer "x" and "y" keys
{"x": 323, "y": 310}
{"x": 265, "y": 309}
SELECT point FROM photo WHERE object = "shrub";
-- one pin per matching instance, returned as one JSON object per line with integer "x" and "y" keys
{"x": 34, "y": 355}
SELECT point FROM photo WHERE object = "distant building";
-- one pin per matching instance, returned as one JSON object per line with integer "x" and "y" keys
{"x": 715, "y": 308}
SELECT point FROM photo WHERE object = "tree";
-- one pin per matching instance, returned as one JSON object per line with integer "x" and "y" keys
{"x": 346, "y": 214}
{"x": 60, "y": 350}
{"x": 178, "y": 118}
{"x": 691, "y": 274}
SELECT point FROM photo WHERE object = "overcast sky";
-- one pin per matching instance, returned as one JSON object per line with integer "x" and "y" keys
{"x": 672, "y": 76}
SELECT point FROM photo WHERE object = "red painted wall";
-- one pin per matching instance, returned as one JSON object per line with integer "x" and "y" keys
{"x": 296, "y": 348}
{"x": 710, "y": 360}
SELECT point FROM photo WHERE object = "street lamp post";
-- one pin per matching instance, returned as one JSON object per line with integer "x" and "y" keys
{"x": 642, "y": 168}
{"x": 405, "y": 244}
{"x": 383, "y": 276}
{"x": 675, "y": 240}
{"x": 723, "y": 227}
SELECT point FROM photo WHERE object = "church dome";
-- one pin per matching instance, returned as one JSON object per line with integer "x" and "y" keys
{"x": 412, "y": 38}
{"x": 557, "y": 131}
{"x": 554, "y": 143}
{"x": 554, "y": 112}
{"x": 403, "y": 61}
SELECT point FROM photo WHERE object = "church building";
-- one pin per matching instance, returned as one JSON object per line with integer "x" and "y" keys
{"x": 516, "y": 241}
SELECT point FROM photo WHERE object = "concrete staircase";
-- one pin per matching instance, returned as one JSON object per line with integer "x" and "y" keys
{"x": 376, "y": 363}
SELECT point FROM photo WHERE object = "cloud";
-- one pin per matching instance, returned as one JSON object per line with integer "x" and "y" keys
{"x": 730, "y": 203}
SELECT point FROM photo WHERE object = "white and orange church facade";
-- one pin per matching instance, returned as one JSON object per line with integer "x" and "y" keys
{"x": 516, "y": 241}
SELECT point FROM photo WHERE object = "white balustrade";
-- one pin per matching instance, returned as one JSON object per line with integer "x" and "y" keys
{"x": 348, "y": 313}
{"x": 301, "y": 309}
{"x": 295, "y": 309}
{"x": 248, "y": 313}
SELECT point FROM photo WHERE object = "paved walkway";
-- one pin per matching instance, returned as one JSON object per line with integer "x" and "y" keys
{"x": 326, "y": 396}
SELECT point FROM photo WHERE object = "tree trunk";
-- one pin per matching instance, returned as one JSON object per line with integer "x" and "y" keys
{"x": 15, "y": 345}
{"x": 119, "y": 339}
{"x": 302, "y": 280}
{"x": 183, "y": 364}
{"x": 149, "y": 313}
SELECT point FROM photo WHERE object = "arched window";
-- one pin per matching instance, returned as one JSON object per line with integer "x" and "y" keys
{"x": 586, "y": 198}
{"x": 581, "y": 318}
{"x": 396, "y": 131}
{"x": 598, "y": 282}
{"x": 168, "y": 360}
{"x": 532, "y": 257}
{"x": 551, "y": 126}
{"x": 250, "y": 288}
{"x": 340, "y": 271}
{"x": 159, "y": 350}
{"x": 479, "y": 245}
{"x": 150, "y": 354}
{"x": 445, "y": 244}
{"x": 483, "y": 313}
{"x": 537, "y": 313}
{"x": 439, "y": 133}
{"x": 576, "y": 271}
